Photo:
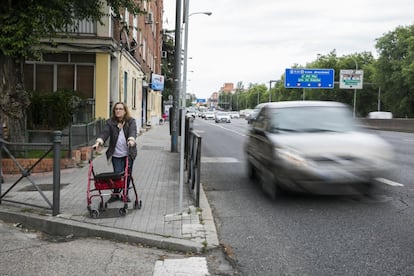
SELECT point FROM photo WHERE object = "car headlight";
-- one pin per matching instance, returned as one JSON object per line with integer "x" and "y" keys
{"x": 292, "y": 157}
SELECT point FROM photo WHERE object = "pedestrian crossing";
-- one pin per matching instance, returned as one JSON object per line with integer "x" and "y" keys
{"x": 193, "y": 266}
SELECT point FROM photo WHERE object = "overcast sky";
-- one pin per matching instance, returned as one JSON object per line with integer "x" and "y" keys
{"x": 254, "y": 41}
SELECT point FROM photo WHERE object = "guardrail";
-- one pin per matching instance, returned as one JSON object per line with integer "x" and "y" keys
{"x": 397, "y": 124}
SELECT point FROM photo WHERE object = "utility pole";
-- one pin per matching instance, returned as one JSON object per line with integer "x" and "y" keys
{"x": 177, "y": 78}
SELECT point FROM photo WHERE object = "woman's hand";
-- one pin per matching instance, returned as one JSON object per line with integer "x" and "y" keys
{"x": 96, "y": 146}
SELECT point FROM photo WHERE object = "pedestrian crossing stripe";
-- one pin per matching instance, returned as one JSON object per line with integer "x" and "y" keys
{"x": 194, "y": 266}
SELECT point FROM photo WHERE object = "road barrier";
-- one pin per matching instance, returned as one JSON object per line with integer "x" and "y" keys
{"x": 397, "y": 124}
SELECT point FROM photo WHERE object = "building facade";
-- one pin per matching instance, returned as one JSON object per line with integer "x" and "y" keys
{"x": 105, "y": 63}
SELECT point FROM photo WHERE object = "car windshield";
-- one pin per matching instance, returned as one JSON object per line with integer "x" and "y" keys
{"x": 312, "y": 119}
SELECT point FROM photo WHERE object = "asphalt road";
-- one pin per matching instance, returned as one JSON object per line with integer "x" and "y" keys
{"x": 308, "y": 235}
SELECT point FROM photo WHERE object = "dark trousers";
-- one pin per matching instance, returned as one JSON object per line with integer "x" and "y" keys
{"x": 118, "y": 163}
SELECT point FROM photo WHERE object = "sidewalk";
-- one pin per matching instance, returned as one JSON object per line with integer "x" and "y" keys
{"x": 158, "y": 223}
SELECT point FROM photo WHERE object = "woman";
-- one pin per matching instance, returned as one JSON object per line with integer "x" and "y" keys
{"x": 121, "y": 129}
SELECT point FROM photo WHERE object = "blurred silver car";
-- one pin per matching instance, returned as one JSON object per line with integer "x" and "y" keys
{"x": 313, "y": 147}
{"x": 209, "y": 115}
{"x": 222, "y": 117}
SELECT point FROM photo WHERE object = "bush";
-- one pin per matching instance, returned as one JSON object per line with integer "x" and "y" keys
{"x": 52, "y": 110}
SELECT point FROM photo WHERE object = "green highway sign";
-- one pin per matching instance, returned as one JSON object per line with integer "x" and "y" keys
{"x": 351, "y": 79}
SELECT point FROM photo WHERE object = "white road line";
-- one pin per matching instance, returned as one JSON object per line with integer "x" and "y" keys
{"x": 221, "y": 126}
{"x": 389, "y": 182}
{"x": 219, "y": 160}
{"x": 231, "y": 130}
{"x": 194, "y": 266}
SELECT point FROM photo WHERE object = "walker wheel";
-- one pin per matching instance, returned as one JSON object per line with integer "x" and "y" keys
{"x": 122, "y": 212}
{"x": 137, "y": 204}
{"x": 94, "y": 213}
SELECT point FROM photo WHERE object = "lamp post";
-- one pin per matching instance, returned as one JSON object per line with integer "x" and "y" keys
{"x": 183, "y": 95}
{"x": 356, "y": 68}
{"x": 177, "y": 77}
{"x": 270, "y": 88}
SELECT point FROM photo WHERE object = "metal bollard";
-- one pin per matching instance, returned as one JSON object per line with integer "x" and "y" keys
{"x": 57, "y": 141}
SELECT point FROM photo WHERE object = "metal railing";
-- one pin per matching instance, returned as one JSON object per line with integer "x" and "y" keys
{"x": 193, "y": 160}
{"x": 73, "y": 137}
{"x": 25, "y": 173}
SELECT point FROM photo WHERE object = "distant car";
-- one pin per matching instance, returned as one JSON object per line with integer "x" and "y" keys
{"x": 252, "y": 115}
{"x": 235, "y": 115}
{"x": 209, "y": 115}
{"x": 222, "y": 117}
{"x": 314, "y": 147}
{"x": 191, "y": 113}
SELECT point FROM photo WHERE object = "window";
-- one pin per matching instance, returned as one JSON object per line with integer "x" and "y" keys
{"x": 76, "y": 74}
{"x": 125, "y": 87}
{"x": 28, "y": 77}
{"x": 126, "y": 18}
{"x": 63, "y": 57}
{"x": 85, "y": 80}
{"x": 134, "y": 93}
{"x": 135, "y": 28}
{"x": 44, "y": 77}
{"x": 82, "y": 58}
{"x": 65, "y": 76}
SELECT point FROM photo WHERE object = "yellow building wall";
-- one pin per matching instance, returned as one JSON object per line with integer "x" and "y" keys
{"x": 103, "y": 63}
{"x": 134, "y": 94}
{"x": 154, "y": 107}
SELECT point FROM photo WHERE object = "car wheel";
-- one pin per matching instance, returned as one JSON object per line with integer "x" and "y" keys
{"x": 251, "y": 171}
{"x": 269, "y": 184}
{"x": 366, "y": 189}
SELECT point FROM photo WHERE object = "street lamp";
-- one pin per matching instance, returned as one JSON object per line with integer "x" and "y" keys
{"x": 270, "y": 88}
{"x": 184, "y": 93}
{"x": 356, "y": 68}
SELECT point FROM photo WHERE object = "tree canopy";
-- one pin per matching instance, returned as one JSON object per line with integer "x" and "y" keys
{"x": 388, "y": 80}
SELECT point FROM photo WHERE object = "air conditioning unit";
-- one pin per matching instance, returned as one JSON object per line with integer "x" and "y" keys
{"x": 149, "y": 19}
{"x": 164, "y": 54}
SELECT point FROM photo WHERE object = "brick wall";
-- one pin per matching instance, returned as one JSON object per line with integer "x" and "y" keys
{"x": 45, "y": 165}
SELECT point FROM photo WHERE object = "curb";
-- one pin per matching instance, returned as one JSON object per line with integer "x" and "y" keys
{"x": 62, "y": 226}
{"x": 65, "y": 227}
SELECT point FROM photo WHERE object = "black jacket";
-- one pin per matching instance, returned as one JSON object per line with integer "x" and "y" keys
{"x": 111, "y": 131}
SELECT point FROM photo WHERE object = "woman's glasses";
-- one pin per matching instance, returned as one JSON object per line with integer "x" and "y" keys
{"x": 119, "y": 108}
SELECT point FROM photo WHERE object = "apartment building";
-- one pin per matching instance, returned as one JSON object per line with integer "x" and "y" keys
{"x": 106, "y": 63}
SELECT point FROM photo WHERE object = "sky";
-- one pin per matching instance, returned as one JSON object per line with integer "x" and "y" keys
{"x": 254, "y": 41}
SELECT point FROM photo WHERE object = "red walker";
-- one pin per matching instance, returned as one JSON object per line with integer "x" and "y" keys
{"x": 109, "y": 181}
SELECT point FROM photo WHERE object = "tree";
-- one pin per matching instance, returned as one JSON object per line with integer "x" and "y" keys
{"x": 395, "y": 70}
{"x": 23, "y": 23}
{"x": 166, "y": 65}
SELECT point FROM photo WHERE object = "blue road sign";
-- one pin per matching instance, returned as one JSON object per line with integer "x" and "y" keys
{"x": 309, "y": 78}
{"x": 201, "y": 100}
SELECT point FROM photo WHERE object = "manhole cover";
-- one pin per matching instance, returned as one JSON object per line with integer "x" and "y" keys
{"x": 43, "y": 187}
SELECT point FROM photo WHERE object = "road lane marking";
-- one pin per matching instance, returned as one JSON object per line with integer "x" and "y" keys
{"x": 219, "y": 160}
{"x": 389, "y": 182}
{"x": 221, "y": 126}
